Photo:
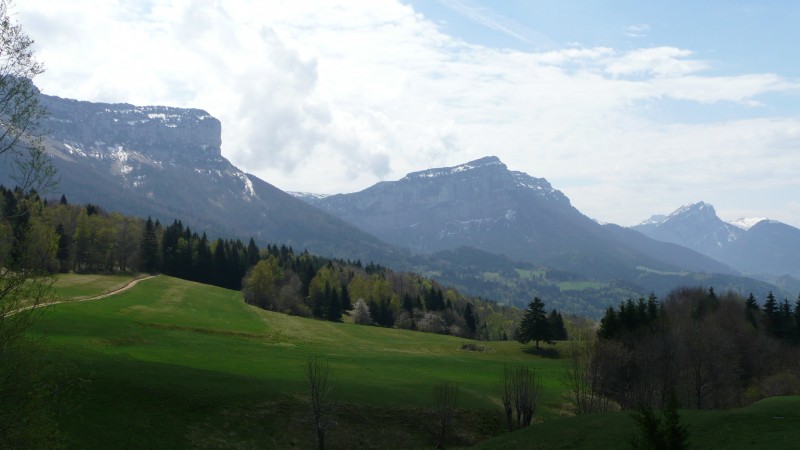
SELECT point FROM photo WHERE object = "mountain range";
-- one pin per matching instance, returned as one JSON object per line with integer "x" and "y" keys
{"x": 166, "y": 163}
{"x": 476, "y": 225}
{"x": 760, "y": 247}
{"x": 483, "y": 204}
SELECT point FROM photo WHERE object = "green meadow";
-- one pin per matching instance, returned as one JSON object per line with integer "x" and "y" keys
{"x": 175, "y": 364}
{"x": 772, "y": 423}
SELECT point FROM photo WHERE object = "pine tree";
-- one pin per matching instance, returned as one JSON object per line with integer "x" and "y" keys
{"x": 334, "y": 312}
{"x": 149, "y": 247}
{"x": 771, "y": 314}
{"x": 344, "y": 298}
{"x": 558, "y": 330}
{"x": 469, "y": 318}
{"x": 797, "y": 317}
{"x": 751, "y": 310}
{"x": 609, "y": 324}
{"x": 534, "y": 326}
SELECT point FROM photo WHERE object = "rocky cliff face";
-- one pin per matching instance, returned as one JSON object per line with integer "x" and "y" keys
{"x": 484, "y": 205}
{"x": 165, "y": 133}
{"x": 166, "y": 163}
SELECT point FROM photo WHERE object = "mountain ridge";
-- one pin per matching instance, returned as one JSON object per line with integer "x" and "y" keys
{"x": 167, "y": 163}
{"x": 483, "y": 204}
{"x": 756, "y": 246}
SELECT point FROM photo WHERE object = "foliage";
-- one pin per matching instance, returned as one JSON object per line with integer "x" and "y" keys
{"x": 27, "y": 246}
{"x": 534, "y": 325}
{"x": 715, "y": 351}
{"x": 660, "y": 433}
{"x": 360, "y": 313}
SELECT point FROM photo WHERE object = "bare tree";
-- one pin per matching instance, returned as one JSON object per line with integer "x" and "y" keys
{"x": 584, "y": 378}
{"x": 445, "y": 397}
{"x": 318, "y": 373}
{"x": 520, "y": 391}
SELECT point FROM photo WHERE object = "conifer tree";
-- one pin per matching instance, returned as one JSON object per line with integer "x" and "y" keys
{"x": 334, "y": 313}
{"x": 751, "y": 310}
{"x": 558, "y": 330}
{"x": 469, "y": 319}
{"x": 149, "y": 247}
{"x": 534, "y": 326}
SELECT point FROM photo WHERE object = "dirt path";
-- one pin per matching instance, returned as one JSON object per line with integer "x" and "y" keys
{"x": 119, "y": 290}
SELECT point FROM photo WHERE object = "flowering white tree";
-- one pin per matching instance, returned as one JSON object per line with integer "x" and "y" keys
{"x": 360, "y": 313}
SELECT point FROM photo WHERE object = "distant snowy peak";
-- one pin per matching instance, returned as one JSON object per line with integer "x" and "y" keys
{"x": 746, "y": 223}
{"x": 655, "y": 219}
{"x": 699, "y": 208}
{"x": 308, "y": 197}
{"x": 488, "y": 161}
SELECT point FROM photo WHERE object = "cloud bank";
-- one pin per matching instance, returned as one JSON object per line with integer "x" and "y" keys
{"x": 325, "y": 97}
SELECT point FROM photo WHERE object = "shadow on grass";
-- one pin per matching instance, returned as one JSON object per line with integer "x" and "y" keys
{"x": 549, "y": 353}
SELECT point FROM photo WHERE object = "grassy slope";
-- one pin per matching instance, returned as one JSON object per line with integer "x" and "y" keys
{"x": 76, "y": 287}
{"x": 174, "y": 364}
{"x": 772, "y": 423}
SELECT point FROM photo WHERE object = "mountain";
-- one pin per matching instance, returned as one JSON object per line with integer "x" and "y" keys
{"x": 484, "y": 205}
{"x": 167, "y": 163}
{"x": 695, "y": 226}
{"x": 758, "y": 247}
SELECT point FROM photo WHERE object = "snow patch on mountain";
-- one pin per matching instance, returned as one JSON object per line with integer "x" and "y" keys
{"x": 488, "y": 161}
{"x": 249, "y": 191}
{"x": 745, "y": 223}
{"x": 307, "y": 196}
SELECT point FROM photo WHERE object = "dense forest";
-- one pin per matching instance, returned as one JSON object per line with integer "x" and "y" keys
{"x": 88, "y": 239}
{"x": 709, "y": 351}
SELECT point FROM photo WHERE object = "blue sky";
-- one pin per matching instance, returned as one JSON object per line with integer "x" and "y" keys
{"x": 740, "y": 36}
{"x": 631, "y": 108}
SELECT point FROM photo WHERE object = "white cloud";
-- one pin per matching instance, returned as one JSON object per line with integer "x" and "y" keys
{"x": 637, "y": 31}
{"x": 324, "y": 97}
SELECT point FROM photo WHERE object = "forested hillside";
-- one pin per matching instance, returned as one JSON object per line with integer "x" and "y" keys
{"x": 88, "y": 239}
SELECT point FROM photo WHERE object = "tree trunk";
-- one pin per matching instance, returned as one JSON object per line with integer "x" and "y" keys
{"x": 321, "y": 438}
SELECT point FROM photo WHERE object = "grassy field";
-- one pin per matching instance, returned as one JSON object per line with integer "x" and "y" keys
{"x": 78, "y": 287}
{"x": 772, "y": 423}
{"x": 174, "y": 364}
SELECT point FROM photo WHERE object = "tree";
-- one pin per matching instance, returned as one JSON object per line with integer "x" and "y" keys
{"x": 361, "y": 313}
{"x": 24, "y": 281}
{"x": 318, "y": 374}
{"x": 751, "y": 310}
{"x": 445, "y": 397}
{"x": 520, "y": 394}
{"x": 534, "y": 326}
{"x": 664, "y": 432}
{"x": 149, "y": 250}
{"x": 262, "y": 285}
{"x": 469, "y": 319}
{"x": 557, "y": 328}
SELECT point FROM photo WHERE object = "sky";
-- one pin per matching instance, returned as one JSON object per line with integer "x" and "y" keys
{"x": 630, "y": 108}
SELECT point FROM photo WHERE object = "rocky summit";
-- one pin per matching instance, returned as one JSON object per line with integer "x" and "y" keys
{"x": 758, "y": 247}
{"x": 483, "y": 204}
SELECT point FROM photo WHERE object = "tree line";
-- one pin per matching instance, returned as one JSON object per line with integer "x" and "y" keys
{"x": 307, "y": 285}
{"x": 710, "y": 351}
{"x": 89, "y": 239}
